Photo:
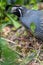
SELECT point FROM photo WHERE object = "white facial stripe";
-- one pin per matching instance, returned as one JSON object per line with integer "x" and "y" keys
{"x": 20, "y": 12}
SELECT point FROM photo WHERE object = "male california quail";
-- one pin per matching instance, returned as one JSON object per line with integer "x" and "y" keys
{"x": 27, "y": 17}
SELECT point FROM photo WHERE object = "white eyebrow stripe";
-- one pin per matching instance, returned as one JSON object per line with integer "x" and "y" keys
{"x": 21, "y": 8}
{"x": 14, "y": 8}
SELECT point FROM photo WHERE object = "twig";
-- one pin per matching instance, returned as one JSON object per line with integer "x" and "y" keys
{"x": 8, "y": 40}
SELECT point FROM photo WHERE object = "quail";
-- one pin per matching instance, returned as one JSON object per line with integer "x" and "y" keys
{"x": 29, "y": 18}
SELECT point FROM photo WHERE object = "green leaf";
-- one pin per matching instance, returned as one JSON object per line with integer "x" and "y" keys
{"x": 10, "y": 56}
{"x": 35, "y": 7}
{"x": 2, "y": 4}
{"x": 14, "y": 22}
{"x": 20, "y": 2}
{"x": 33, "y": 26}
{"x": 32, "y": 1}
